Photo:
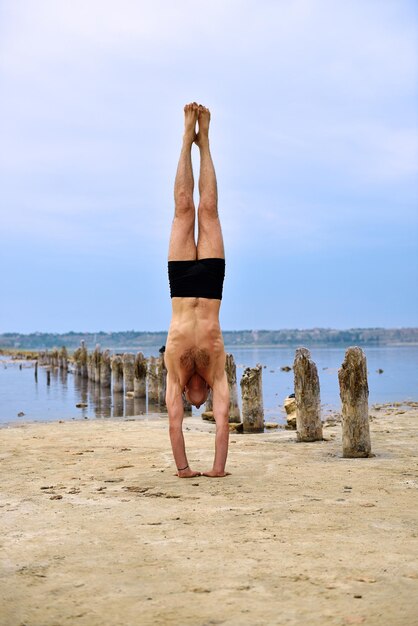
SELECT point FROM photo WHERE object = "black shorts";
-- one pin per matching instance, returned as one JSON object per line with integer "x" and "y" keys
{"x": 202, "y": 278}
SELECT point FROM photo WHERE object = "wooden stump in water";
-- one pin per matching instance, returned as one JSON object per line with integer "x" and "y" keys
{"x": 36, "y": 371}
{"x": 231, "y": 374}
{"x": 83, "y": 360}
{"x": 63, "y": 358}
{"x": 80, "y": 358}
{"x": 105, "y": 370}
{"x": 128, "y": 371}
{"x": 90, "y": 367}
{"x": 55, "y": 359}
{"x": 162, "y": 381}
{"x": 96, "y": 362}
{"x": 152, "y": 380}
{"x": 140, "y": 376}
{"x": 252, "y": 400}
{"x": 117, "y": 373}
{"x": 354, "y": 393}
{"x": 307, "y": 395}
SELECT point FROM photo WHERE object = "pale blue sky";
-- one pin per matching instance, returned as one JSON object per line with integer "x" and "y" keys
{"x": 314, "y": 137}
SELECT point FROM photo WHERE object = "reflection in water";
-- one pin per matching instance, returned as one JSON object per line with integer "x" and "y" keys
{"x": 63, "y": 376}
{"x": 140, "y": 406}
{"x": 81, "y": 388}
{"x": 129, "y": 406}
{"x": 105, "y": 409}
{"x": 153, "y": 407}
{"x": 117, "y": 404}
{"x": 104, "y": 403}
{"x": 94, "y": 390}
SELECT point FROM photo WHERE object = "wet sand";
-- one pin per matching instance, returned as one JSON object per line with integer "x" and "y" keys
{"x": 97, "y": 531}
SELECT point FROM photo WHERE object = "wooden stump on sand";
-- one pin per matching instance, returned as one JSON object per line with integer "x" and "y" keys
{"x": 152, "y": 380}
{"x": 252, "y": 400}
{"x": 354, "y": 393}
{"x": 231, "y": 374}
{"x": 162, "y": 381}
{"x": 307, "y": 394}
{"x": 140, "y": 376}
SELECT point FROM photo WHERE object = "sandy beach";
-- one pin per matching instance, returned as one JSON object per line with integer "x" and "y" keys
{"x": 97, "y": 531}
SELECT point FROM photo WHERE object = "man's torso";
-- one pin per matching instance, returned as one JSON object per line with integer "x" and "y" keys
{"x": 194, "y": 342}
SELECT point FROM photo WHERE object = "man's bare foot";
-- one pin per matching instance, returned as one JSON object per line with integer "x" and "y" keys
{"x": 187, "y": 473}
{"x": 190, "y": 118}
{"x": 214, "y": 474}
{"x": 203, "y": 119}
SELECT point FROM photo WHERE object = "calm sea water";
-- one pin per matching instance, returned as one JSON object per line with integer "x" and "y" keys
{"x": 39, "y": 402}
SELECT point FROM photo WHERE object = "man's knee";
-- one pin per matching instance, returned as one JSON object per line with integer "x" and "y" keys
{"x": 185, "y": 206}
{"x": 208, "y": 208}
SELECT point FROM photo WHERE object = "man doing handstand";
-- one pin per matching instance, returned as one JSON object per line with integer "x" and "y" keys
{"x": 194, "y": 354}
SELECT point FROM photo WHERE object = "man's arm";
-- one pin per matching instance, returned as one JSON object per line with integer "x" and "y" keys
{"x": 175, "y": 410}
{"x": 220, "y": 400}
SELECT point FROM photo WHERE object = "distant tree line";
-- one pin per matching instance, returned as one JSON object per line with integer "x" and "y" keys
{"x": 131, "y": 340}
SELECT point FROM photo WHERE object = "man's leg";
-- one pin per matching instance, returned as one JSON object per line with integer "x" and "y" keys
{"x": 210, "y": 245}
{"x": 182, "y": 242}
{"x": 210, "y": 242}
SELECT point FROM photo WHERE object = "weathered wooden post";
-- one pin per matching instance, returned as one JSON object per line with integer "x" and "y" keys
{"x": 307, "y": 394}
{"x": 96, "y": 361}
{"x": 90, "y": 367}
{"x": 128, "y": 371}
{"x": 48, "y": 377}
{"x": 83, "y": 360}
{"x": 75, "y": 359}
{"x": 289, "y": 405}
{"x": 105, "y": 370}
{"x": 36, "y": 371}
{"x": 55, "y": 358}
{"x": 252, "y": 400}
{"x": 117, "y": 373}
{"x": 231, "y": 374}
{"x": 162, "y": 381}
{"x": 354, "y": 393}
{"x": 152, "y": 380}
{"x": 140, "y": 376}
{"x": 63, "y": 358}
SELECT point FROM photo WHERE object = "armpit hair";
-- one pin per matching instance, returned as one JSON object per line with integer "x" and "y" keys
{"x": 195, "y": 358}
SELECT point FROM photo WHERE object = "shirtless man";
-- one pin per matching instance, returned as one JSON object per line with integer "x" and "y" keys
{"x": 194, "y": 354}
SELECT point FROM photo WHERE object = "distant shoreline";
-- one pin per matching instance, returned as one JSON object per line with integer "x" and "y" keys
{"x": 285, "y": 338}
{"x": 33, "y": 353}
